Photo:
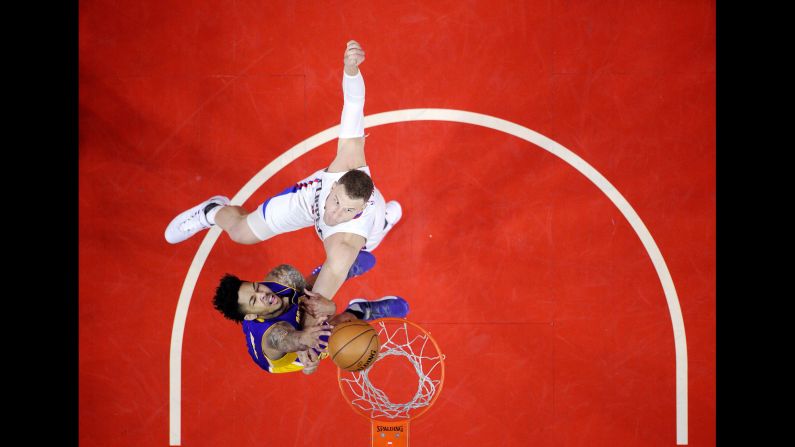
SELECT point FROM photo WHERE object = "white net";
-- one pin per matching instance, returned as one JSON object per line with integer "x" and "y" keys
{"x": 398, "y": 339}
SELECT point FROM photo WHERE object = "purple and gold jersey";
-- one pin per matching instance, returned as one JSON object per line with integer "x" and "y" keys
{"x": 255, "y": 329}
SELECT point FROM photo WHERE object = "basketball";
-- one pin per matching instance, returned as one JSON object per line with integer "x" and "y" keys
{"x": 353, "y": 345}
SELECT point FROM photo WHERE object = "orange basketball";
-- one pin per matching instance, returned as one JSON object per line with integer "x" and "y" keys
{"x": 353, "y": 345}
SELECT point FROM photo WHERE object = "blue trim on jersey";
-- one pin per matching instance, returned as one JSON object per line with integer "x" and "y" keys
{"x": 288, "y": 190}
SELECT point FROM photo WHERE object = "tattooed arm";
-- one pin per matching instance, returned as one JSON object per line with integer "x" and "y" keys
{"x": 282, "y": 338}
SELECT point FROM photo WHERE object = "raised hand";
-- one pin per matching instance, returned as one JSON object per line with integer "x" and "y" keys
{"x": 354, "y": 55}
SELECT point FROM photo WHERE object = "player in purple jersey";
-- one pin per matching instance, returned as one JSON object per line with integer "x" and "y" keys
{"x": 347, "y": 211}
{"x": 286, "y": 326}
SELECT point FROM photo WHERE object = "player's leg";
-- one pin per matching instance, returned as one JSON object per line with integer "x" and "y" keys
{"x": 194, "y": 220}
{"x": 279, "y": 214}
{"x": 242, "y": 226}
{"x": 217, "y": 211}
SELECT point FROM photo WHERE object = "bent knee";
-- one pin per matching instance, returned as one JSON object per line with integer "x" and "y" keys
{"x": 242, "y": 233}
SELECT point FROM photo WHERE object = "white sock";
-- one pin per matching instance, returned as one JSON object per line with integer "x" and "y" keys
{"x": 211, "y": 214}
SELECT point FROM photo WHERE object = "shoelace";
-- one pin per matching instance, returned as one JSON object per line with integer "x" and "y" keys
{"x": 192, "y": 223}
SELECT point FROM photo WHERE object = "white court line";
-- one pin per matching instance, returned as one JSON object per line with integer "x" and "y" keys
{"x": 458, "y": 116}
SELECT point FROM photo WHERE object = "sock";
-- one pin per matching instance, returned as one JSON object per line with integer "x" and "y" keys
{"x": 210, "y": 211}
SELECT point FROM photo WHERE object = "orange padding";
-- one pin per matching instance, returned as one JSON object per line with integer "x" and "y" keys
{"x": 390, "y": 434}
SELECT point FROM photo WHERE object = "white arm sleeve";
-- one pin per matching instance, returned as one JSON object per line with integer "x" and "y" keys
{"x": 352, "y": 120}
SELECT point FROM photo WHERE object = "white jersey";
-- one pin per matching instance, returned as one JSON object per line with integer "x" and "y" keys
{"x": 303, "y": 205}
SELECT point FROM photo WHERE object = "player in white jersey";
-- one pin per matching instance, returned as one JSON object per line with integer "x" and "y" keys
{"x": 341, "y": 202}
{"x": 300, "y": 206}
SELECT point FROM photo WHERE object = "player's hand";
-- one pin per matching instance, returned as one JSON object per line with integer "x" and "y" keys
{"x": 317, "y": 305}
{"x": 309, "y": 359}
{"x": 354, "y": 55}
{"x": 310, "y": 337}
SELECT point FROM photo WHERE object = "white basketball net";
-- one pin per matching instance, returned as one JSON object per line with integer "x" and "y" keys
{"x": 399, "y": 342}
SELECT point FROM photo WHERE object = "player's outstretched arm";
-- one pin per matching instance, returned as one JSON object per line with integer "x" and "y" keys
{"x": 350, "y": 146}
{"x": 341, "y": 252}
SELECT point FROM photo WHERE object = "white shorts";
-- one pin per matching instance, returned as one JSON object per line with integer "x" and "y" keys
{"x": 288, "y": 212}
{"x": 279, "y": 214}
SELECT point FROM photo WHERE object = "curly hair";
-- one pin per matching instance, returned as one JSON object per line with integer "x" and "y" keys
{"x": 358, "y": 185}
{"x": 226, "y": 294}
{"x": 225, "y": 299}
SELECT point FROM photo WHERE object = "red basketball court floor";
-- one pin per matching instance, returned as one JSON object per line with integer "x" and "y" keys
{"x": 554, "y": 319}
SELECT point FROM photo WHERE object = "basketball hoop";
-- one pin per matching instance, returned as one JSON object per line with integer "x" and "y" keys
{"x": 401, "y": 340}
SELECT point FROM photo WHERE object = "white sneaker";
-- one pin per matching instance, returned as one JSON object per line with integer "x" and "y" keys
{"x": 191, "y": 221}
{"x": 393, "y": 213}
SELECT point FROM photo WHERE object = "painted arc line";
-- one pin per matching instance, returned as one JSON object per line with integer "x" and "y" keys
{"x": 457, "y": 116}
